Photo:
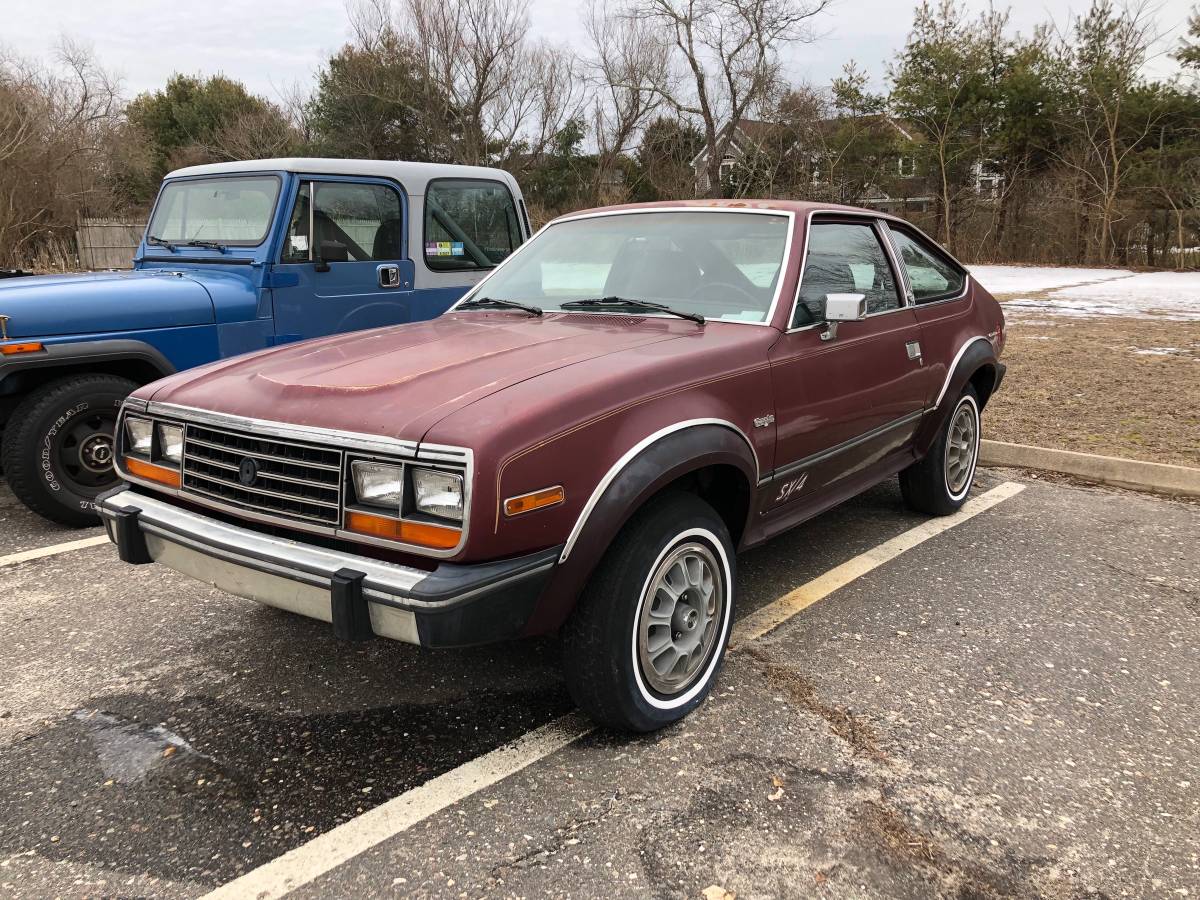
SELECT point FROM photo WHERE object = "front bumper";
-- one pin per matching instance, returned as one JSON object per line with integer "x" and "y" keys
{"x": 452, "y": 606}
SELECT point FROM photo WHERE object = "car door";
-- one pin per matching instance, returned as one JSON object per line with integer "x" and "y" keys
{"x": 939, "y": 288}
{"x": 343, "y": 265}
{"x": 846, "y": 397}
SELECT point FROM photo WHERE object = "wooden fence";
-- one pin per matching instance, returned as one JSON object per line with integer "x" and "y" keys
{"x": 107, "y": 243}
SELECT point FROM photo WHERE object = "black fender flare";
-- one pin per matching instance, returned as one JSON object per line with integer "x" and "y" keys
{"x": 975, "y": 355}
{"x": 78, "y": 354}
{"x": 666, "y": 458}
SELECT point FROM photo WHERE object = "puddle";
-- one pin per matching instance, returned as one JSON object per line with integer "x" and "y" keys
{"x": 128, "y": 751}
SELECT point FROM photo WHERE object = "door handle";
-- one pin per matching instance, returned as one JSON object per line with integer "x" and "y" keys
{"x": 914, "y": 349}
{"x": 389, "y": 275}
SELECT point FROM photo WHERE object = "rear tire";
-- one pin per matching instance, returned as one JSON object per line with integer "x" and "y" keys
{"x": 58, "y": 446}
{"x": 646, "y": 641}
{"x": 939, "y": 484}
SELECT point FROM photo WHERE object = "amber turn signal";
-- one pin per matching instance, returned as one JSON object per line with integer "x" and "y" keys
{"x": 421, "y": 534}
{"x": 26, "y": 347}
{"x": 139, "y": 468}
{"x": 515, "y": 506}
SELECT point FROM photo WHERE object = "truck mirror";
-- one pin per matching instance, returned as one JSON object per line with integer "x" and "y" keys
{"x": 332, "y": 251}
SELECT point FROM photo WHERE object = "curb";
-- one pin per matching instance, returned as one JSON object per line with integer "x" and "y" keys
{"x": 1127, "y": 473}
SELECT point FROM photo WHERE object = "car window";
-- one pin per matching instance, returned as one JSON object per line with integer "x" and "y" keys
{"x": 469, "y": 224}
{"x": 353, "y": 222}
{"x": 844, "y": 258}
{"x": 931, "y": 275}
{"x": 721, "y": 265}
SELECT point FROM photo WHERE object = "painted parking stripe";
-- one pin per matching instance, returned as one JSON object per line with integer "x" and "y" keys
{"x": 774, "y": 614}
{"x": 339, "y": 845}
{"x": 42, "y": 552}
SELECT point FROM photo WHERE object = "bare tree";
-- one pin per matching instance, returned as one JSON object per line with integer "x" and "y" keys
{"x": 629, "y": 69}
{"x": 57, "y": 125}
{"x": 1104, "y": 129}
{"x": 491, "y": 91}
{"x": 727, "y": 54}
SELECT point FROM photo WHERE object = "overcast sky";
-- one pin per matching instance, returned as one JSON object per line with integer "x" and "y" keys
{"x": 271, "y": 44}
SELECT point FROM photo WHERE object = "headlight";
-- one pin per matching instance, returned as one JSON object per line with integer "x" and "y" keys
{"x": 140, "y": 433}
{"x": 378, "y": 484}
{"x": 170, "y": 442}
{"x": 438, "y": 493}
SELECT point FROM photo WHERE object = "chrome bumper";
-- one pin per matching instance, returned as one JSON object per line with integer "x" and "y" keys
{"x": 454, "y": 605}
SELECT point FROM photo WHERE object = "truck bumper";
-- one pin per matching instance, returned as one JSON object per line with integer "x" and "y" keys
{"x": 452, "y": 606}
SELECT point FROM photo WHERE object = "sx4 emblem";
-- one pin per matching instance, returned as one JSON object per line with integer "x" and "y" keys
{"x": 791, "y": 488}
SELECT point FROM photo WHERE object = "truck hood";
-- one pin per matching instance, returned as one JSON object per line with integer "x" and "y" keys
{"x": 51, "y": 305}
{"x": 399, "y": 381}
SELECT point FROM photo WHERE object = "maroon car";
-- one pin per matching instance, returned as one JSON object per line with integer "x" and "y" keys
{"x": 581, "y": 444}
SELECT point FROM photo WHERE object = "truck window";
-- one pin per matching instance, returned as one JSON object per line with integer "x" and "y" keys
{"x": 469, "y": 224}
{"x": 931, "y": 275}
{"x": 365, "y": 219}
{"x": 229, "y": 210}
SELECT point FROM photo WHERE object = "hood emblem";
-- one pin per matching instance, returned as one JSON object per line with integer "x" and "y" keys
{"x": 3, "y": 328}
{"x": 248, "y": 472}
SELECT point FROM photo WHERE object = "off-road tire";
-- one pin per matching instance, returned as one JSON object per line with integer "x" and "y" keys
{"x": 31, "y": 442}
{"x": 925, "y": 485}
{"x": 600, "y": 641}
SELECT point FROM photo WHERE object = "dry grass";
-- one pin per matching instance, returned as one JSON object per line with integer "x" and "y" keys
{"x": 1079, "y": 384}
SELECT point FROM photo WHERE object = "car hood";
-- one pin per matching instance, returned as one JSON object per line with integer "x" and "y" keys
{"x": 398, "y": 381}
{"x": 51, "y": 305}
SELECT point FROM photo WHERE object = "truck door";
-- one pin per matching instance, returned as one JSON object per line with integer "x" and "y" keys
{"x": 344, "y": 264}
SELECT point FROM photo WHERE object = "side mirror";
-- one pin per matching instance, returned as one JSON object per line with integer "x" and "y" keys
{"x": 842, "y": 308}
{"x": 331, "y": 251}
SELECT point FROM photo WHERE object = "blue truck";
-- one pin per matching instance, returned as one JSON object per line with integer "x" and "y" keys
{"x": 236, "y": 257}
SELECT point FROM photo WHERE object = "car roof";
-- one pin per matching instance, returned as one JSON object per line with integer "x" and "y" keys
{"x": 800, "y": 208}
{"x": 413, "y": 175}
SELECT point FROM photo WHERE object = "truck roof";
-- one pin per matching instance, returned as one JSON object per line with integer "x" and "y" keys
{"x": 413, "y": 175}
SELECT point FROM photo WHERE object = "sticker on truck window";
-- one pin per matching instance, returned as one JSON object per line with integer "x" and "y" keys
{"x": 299, "y": 243}
{"x": 445, "y": 248}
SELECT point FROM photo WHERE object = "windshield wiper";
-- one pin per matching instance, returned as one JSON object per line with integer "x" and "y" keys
{"x": 484, "y": 302}
{"x": 629, "y": 303}
{"x": 209, "y": 245}
{"x": 160, "y": 242}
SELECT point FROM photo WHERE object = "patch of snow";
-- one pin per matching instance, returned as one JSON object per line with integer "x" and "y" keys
{"x": 1005, "y": 280}
{"x": 1162, "y": 351}
{"x": 1173, "y": 295}
{"x": 1094, "y": 293}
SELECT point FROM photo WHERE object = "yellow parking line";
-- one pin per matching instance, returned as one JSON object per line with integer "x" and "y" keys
{"x": 42, "y": 552}
{"x": 774, "y": 614}
{"x": 308, "y": 862}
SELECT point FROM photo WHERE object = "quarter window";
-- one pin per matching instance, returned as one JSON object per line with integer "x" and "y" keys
{"x": 469, "y": 224}
{"x": 930, "y": 274}
{"x": 353, "y": 222}
{"x": 844, "y": 258}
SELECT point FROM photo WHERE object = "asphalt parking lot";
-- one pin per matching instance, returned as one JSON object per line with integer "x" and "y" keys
{"x": 1006, "y": 709}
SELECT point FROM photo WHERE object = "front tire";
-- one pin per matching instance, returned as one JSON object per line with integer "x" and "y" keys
{"x": 646, "y": 641}
{"x": 939, "y": 483}
{"x": 58, "y": 446}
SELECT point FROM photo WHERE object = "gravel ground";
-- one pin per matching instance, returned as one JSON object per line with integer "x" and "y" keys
{"x": 1119, "y": 387}
{"x": 1006, "y": 710}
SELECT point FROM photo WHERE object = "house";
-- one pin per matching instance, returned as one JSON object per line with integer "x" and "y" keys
{"x": 899, "y": 185}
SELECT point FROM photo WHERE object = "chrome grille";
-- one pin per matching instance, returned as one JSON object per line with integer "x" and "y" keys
{"x": 296, "y": 481}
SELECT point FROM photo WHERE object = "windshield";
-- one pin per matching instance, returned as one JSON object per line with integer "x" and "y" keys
{"x": 234, "y": 211}
{"x": 721, "y": 265}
